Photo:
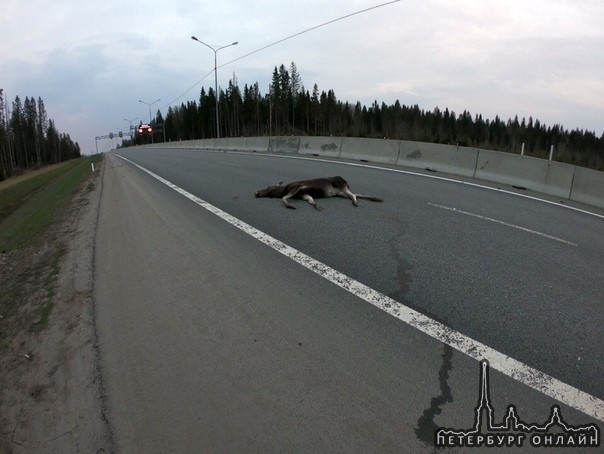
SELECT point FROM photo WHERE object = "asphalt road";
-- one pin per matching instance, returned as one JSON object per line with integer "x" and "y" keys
{"x": 210, "y": 339}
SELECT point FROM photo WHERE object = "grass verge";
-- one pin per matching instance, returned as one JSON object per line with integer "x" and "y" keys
{"x": 32, "y": 244}
{"x": 30, "y": 207}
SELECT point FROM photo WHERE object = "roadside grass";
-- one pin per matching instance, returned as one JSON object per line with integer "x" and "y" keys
{"x": 15, "y": 191}
{"x": 30, "y": 207}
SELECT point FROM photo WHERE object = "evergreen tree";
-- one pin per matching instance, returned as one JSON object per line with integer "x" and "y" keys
{"x": 295, "y": 88}
{"x": 288, "y": 109}
{"x": 28, "y": 138}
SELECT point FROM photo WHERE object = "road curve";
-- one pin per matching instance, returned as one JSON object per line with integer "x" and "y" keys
{"x": 210, "y": 339}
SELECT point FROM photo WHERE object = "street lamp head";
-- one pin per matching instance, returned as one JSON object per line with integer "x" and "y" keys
{"x": 215, "y": 49}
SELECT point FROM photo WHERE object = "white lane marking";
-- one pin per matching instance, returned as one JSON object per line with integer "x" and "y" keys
{"x": 497, "y": 221}
{"x": 408, "y": 172}
{"x": 550, "y": 386}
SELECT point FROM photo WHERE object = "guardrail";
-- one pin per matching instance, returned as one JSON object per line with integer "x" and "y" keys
{"x": 550, "y": 177}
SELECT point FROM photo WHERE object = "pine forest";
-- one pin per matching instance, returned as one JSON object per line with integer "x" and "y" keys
{"x": 29, "y": 139}
{"x": 289, "y": 109}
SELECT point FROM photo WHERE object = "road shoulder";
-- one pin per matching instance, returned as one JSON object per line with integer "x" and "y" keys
{"x": 51, "y": 399}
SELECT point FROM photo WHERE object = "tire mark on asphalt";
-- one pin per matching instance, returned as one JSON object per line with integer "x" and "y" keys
{"x": 404, "y": 278}
{"x": 426, "y": 428}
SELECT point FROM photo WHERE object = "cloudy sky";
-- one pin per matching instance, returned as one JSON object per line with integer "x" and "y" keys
{"x": 92, "y": 61}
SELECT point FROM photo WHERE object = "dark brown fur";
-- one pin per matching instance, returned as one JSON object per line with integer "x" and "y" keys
{"x": 313, "y": 189}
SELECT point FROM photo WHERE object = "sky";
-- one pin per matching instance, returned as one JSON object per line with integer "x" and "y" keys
{"x": 91, "y": 62}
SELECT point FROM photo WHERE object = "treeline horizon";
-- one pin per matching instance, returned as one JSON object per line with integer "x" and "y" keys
{"x": 29, "y": 139}
{"x": 289, "y": 109}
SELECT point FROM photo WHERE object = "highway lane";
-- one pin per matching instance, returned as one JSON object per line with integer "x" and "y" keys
{"x": 531, "y": 297}
{"x": 211, "y": 342}
{"x": 208, "y": 336}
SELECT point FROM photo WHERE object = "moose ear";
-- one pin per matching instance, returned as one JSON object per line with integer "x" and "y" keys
{"x": 280, "y": 183}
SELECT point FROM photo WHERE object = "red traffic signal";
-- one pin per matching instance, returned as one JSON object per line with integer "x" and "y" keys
{"x": 145, "y": 129}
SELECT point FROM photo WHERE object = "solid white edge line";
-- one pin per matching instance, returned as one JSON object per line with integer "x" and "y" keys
{"x": 550, "y": 386}
{"x": 497, "y": 221}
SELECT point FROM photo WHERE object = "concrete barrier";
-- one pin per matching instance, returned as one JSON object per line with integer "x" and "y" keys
{"x": 178, "y": 144}
{"x": 284, "y": 144}
{"x": 231, "y": 143}
{"x": 588, "y": 187}
{"x": 256, "y": 143}
{"x": 175, "y": 144}
{"x": 155, "y": 145}
{"x": 321, "y": 146}
{"x": 371, "y": 150}
{"x": 440, "y": 157}
{"x": 200, "y": 144}
{"x": 197, "y": 144}
{"x": 536, "y": 174}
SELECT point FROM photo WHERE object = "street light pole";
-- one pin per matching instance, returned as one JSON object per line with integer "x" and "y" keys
{"x": 130, "y": 121}
{"x": 215, "y": 49}
{"x": 149, "y": 104}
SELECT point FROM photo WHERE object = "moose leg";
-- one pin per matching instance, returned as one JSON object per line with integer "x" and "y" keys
{"x": 349, "y": 195}
{"x": 286, "y": 198}
{"x": 369, "y": 197}
{"x": 287, "y": 203}
{"x": 310, "y": 200}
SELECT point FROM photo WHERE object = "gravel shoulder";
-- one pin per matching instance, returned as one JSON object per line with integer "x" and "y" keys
{"x": 51, "y": 399}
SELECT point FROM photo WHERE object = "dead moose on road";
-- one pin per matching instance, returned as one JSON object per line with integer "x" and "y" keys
{"x": 309, "y": 190}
